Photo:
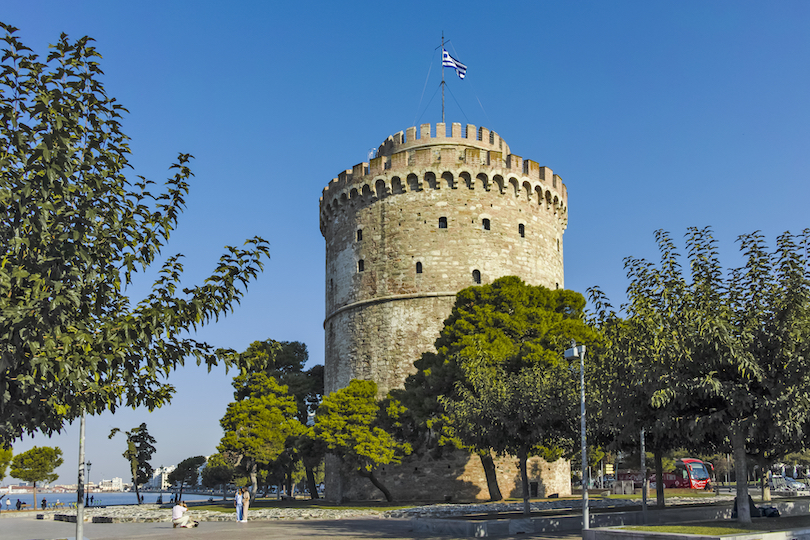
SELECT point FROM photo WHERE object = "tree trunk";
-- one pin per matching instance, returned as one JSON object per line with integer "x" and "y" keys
{"x": 377, "y": 484}
{"x": 658, "y": 456}
{"x": 254, "y": 481}
{"x": 764, "y": 486}
{"x": 524, "y": 480}
{"x": 224, "y": 491}
{"x": 35, "y": 495}
{"x": 288, "y": 481}
{"x": 492, "y": 477}
{"x": 311, "y": 485}
{"x": 738, "y": 446}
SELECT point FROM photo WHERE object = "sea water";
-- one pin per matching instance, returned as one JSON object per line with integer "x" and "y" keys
{"x": 99, "y": 499}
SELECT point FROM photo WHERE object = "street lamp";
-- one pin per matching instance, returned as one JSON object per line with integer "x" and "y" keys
{"x": 87, "y": 492}
{"x": 572, "y": 354}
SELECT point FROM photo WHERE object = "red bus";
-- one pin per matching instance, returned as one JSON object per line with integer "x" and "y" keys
{"x": 689, "y": 473}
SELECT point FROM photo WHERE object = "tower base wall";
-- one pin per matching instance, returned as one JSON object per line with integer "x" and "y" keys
{"x": 456, "y": 476}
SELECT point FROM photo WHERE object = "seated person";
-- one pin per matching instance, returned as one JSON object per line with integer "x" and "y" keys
{"x": 180, "y": 517}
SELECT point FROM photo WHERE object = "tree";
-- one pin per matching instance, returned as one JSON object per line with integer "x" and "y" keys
{"x": 347, "y": 424}
{"x": 257, "y": 427}
{"x": 740, "y": 341}
{"x": 139, "y": 451}
{"x": 519, "y": 412}
{"x": 507, "y": 322}
{"x": 638, "y": 353}
{"x": 74, "y": 230}
{"x": 187, "y": 472}
{"x": 285, "y": 362}
{"x": 218, "y": 472}
{"x": 5, "y": 459}
{"x": 37, "y": 465}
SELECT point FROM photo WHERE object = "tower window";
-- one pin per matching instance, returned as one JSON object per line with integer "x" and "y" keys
{"x": 522, "y": 230}
{"x": 485, "y": 223}
{"x": 359, "y": 235}
{"x": 477, "y": 277}
{"x": 442, "y": 222}
{"x": 361, "y": 265}
{"x": 418, "y": 268}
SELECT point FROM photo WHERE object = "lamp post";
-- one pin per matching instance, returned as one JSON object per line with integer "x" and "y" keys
{"x": 87, "y": 492}
{"x": 572, "y": 354}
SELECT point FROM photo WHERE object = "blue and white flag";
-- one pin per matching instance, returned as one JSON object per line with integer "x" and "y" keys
{"x": 449, "y": 61}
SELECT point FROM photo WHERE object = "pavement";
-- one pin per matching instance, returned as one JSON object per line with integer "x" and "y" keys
{"x": 25, "y": 526}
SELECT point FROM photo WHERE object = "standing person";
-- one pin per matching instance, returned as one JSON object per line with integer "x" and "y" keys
{"x": 19, "y": 505}
{"x": 8, "y": 505}
{"x": 44, "y": 503}
{"x": 245, "y": 503}
{"x": 237, "y": 502}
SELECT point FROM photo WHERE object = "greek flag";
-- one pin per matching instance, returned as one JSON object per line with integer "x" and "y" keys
{"x": 449, "y": 61}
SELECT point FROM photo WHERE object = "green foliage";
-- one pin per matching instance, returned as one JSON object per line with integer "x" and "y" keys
{"x": 258, "y": 426}
{"x": 140, "y": 447}
{"x": 5, "y": 459}
{"x": 187, "y": 472}
{"x": 73, "y": 232}
{"x": 218, "y": 471}
{"x": 285, "y": 361}
{"x": 347, "y": 424}
{"x": 509, "y": 331}
{"x": 725, "y": 354}
{"x": 37, "y": 465}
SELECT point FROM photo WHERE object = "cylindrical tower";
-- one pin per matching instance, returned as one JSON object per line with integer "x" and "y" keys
{"x": 428, "y": 216}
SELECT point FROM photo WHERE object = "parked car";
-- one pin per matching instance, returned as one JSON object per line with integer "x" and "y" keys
{"x": 795, "y": 484}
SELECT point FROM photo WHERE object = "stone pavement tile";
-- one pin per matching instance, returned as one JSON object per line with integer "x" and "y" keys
{"x": 28, "y": 528}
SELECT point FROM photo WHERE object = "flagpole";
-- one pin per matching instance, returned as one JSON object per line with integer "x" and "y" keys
{"x": 442, "y": 76}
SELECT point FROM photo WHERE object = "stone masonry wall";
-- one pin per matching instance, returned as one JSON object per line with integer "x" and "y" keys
{"x": 430, "y": 215}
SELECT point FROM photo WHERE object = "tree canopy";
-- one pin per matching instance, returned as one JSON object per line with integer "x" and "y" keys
{"x": 74, "y": 230}
{"x": 140, "y": 447}
{"x": 285, "y": 361}
{"x": 510, "y": 330}
{"x": 218, "y": 471}
{"x": 37, "y": 465}
{"x": 5, "y": 459}
{"x": 735, "y": 353}
{"x": 187, "y": 472}
{"x": 258, "y": 426}
{"x": 347, "y": 424}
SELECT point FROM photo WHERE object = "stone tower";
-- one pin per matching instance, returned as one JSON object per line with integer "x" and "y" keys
{"x": 430, "y": 215}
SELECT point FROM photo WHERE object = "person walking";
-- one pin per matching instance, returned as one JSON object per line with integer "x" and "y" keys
{"x": 245, "y": 504}
{"x": 237, "y": 502}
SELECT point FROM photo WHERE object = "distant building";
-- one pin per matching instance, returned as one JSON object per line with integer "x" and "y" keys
{"x": 116, "y": 484}
{"x": 160, "y": 479}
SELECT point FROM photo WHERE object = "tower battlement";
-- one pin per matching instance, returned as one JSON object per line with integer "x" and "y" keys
{"x": 407, "y": 162}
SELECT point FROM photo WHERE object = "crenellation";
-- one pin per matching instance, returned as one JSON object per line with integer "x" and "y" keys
{"x": 483, "y": 135}
{"x": 376, "y": 165}
{"x": 441, "y": 130}
{"x": 410, "y": 135}
{"x": 456, "y": 131}
{"x": 424, "y": 132}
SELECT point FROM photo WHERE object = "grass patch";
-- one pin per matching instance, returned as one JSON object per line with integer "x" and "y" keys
{"x": 720, "y": 528}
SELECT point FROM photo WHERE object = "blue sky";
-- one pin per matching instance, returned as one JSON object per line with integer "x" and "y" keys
{"x": 657, "y": 115}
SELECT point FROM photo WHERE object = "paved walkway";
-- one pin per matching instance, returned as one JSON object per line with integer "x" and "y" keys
{"x": 25, "y": 526}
